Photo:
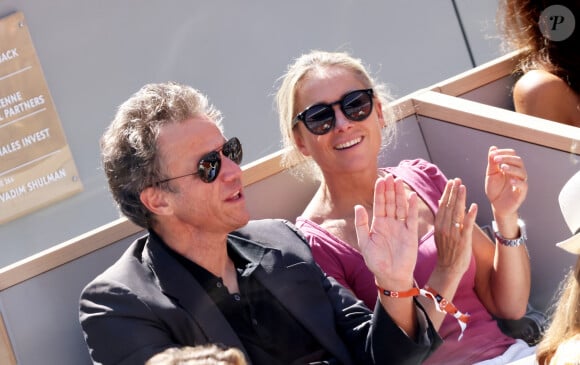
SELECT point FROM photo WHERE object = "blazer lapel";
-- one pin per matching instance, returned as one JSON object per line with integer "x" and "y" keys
{"x": 303, "y": 297}
{"x": 311, "y": 308}
{"x": 176, "y": 282}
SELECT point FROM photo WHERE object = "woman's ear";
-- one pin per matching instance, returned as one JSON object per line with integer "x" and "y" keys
{"x": 154, "y": 199}
{"x": 299, "y": 140}
{"x": 379, "y": 109}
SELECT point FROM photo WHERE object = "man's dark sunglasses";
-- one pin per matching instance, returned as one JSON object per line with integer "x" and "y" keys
{"x": 209, "y": 165}
{"x": 320, "y": 118}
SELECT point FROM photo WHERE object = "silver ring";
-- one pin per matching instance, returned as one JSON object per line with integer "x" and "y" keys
{"x": 457, "y": 225}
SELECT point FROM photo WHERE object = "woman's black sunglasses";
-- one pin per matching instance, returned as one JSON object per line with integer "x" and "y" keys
{"x": 320, "y": 118}
{"x": 209, "y": 165}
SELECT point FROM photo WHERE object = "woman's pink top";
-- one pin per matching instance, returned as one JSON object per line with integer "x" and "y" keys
{"x": 482, "y": 338}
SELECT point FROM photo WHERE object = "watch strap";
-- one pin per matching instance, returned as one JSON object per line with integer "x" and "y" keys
{"x": 514, "y": 242}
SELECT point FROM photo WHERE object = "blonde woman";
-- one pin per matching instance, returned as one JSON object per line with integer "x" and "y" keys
{"x": 334, "y": 115}
{"x": 561, "y": 342}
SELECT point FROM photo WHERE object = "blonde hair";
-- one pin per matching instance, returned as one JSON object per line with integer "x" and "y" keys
{"x": 199, "y": 355}
{"x": 565, "y": 322}
{"x": 286, "y": 101}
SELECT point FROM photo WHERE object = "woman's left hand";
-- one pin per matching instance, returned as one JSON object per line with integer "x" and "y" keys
{"x": 506, "y": 181}
{"x": 454, "y": 229}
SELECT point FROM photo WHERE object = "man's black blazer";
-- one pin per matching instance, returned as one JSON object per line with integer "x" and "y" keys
{"x": 147, "y": 302}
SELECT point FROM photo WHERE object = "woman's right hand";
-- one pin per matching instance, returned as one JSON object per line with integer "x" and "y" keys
{"x": 389, "y": 244}
{"x": 453, "y": 230}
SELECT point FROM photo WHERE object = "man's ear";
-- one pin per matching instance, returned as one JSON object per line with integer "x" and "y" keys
{"x": 154, "y": 199}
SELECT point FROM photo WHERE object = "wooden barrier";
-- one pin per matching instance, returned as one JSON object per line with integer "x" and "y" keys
{"x": 39, "y": 295}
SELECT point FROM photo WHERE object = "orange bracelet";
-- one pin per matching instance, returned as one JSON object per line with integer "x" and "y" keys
{"x": 441, "y": 304}
{"x": 413, "y": 292}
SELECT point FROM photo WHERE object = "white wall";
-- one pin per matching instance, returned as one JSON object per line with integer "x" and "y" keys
{"x": 96, "y": 53}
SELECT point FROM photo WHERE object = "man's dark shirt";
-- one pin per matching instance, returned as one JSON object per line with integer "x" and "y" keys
{"x": 268, "y": 331}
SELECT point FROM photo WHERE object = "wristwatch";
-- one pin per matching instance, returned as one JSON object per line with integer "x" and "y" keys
{"x": 513, "y": 242}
